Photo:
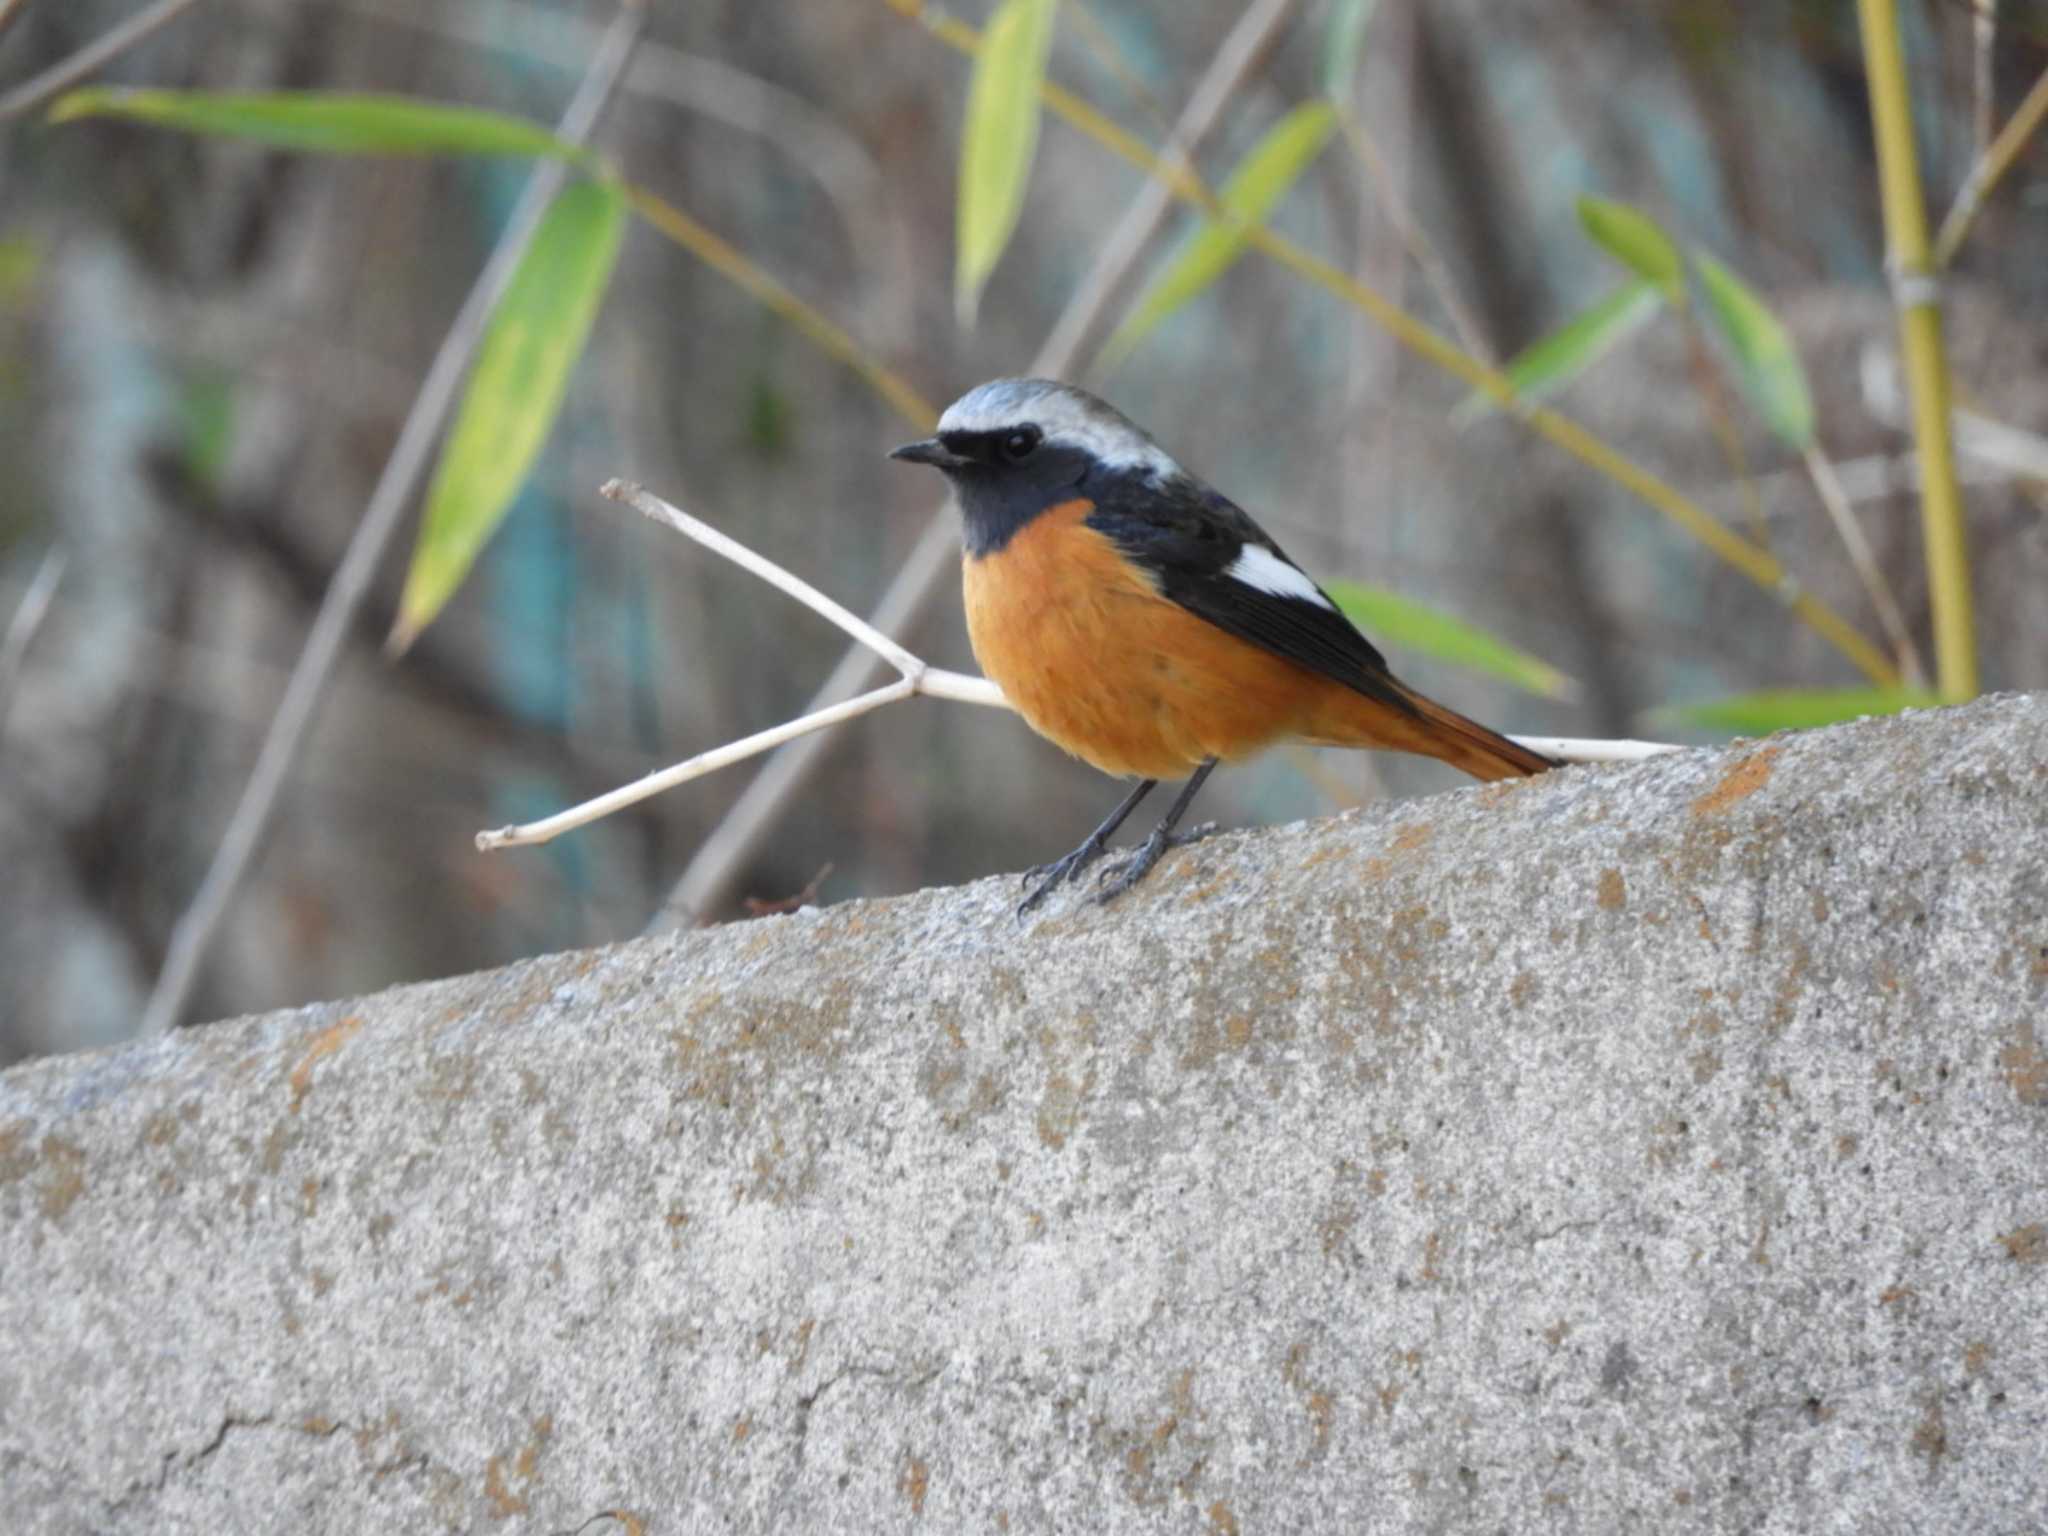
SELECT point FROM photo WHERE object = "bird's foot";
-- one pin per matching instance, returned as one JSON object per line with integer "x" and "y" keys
{"x": 1127, "y": 872}
{"x": 1050, "y": 877}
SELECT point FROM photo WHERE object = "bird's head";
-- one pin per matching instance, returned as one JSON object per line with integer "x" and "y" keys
{"x": 1014, "y": 447}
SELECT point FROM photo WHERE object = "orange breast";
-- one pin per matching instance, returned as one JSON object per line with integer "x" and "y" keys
{"x": 1106, "y": 668}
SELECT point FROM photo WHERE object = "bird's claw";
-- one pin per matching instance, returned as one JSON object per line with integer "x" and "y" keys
{"x": 1127, "y": 872}
{"x": 1050, "y": 877}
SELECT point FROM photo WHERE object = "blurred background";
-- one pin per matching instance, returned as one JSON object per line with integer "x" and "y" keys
{"x": 208, "y": 349}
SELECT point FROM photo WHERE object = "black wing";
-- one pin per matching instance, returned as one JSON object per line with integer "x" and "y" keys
{"x": 1190, "y": 538}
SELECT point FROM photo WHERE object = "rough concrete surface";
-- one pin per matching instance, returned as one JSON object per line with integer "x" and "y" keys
{"x": 1660, "y": 1148}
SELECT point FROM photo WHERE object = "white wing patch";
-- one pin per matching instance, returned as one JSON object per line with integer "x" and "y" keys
{"x": 1258, "y": 567}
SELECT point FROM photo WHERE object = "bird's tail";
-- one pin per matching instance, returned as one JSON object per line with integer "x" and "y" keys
{"x": 1430, "y": 730}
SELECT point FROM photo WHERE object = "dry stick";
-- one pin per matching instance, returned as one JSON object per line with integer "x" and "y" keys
{"x": 1986, "y": 173}
{"x": 21, "y": 629}
{"x": 717, "y": 860}
{"x": 94, "y": 56}
{"x": 195, "y": 930}
{"x": 1420, "y": 248}
{"x": 1239, "y": 54}
{"x": 1828, "y": 485}
{"x": 1982, "y": 75}
{"x": 917, "y": 677}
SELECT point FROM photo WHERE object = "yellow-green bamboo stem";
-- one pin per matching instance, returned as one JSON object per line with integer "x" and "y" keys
{"x": 1909, "y": 260}
{"x": 1759, "y": 565}
{"x": 722, "y": 258}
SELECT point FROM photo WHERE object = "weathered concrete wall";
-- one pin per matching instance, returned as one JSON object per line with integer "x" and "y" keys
{"x": 1649, "y": 1149}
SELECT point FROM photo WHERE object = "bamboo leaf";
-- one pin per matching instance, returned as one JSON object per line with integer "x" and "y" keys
{"x": 1261, "y": 179}
{"x": 1793, "y": 709}
{"x": 998, "y": 142}
{"x": 1343, "y": 42}
{"x": 336, "y": 122}
{"x": 530, "y": 347}
{"x": 1546, "y": 366}
{"x": 1637, "y": 241}
{"x": 1766, "y": 361}
{"x": 1408, "y": 625}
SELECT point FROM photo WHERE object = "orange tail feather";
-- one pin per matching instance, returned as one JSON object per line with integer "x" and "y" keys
{"x": 1349, "y": 719}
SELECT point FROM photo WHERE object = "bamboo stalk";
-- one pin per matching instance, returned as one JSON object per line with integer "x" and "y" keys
{"x": 1909, "y": 259}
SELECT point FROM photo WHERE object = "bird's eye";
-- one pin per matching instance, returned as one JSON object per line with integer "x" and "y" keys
{"x": 1018, "y": 444}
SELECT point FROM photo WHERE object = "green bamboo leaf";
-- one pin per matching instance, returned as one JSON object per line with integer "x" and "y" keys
{"x": 1261, "y": 179}
{"x": 336, "y": 122}
{"x": 1408, "y": 625}
{"x": 998, "y": 142}
{"x": 1546, "y": 366}
{"x": 1767, "y": 362}
{"x": 1793, "y": 709}
{"x": 1343, "y": 42}
{"x": 1637, "y": 241}
{"x": 530, "y": 347}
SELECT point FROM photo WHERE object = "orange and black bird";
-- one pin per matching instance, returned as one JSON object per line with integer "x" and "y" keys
{"x": 1144, "y": 623}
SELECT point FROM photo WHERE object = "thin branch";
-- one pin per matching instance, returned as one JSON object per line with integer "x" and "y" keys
{"x": 1580, "y": 749}
{"x": 1096, "y": 37}
{"x": 1242, "y": 48}
{"x": 1983, "y": 74}
{"x": 1989, "y": 170}
{"x": 917, "y": 678}
{"x": 195, "y": 930}
{"x": 650, "y": 505}
{"x": 1414, "y": 239}
{"x": 21, "y": 629}
{"x": 92, "y": 58}
{"x": 1828, "y": 485}
{"x": 716, "y": 863}
{"x": 551, "y": 827}
{"x": 10, "y": 12}
{"x": 811, "y": 141}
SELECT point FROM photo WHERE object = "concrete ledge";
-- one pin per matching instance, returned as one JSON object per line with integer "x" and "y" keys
{"x": 1648, "y": 1149}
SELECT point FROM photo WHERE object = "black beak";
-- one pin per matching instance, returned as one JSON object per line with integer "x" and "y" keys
{"x": 931, "y": 451}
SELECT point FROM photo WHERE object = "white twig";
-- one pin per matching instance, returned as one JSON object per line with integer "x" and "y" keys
{"x": 28, "y": 618}
{"x": 648, "y": 504}
{"x": 1578, "y": 749}
{"x": 194, "y": 932}
{"x": 92, "y": 58}
{"x": 917, "y": 678}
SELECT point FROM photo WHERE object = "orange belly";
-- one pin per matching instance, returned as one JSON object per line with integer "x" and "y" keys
{"x": 1104, "y": 667}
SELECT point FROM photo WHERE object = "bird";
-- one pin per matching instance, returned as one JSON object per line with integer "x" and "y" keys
{"x": 1144, "y": 623}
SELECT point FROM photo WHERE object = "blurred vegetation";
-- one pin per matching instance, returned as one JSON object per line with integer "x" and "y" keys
{"x": 212, "y": 340}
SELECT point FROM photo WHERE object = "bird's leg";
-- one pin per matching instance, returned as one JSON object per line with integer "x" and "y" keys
{"x": 1120, "y": 877}
{"x": 1051, "y": 875}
